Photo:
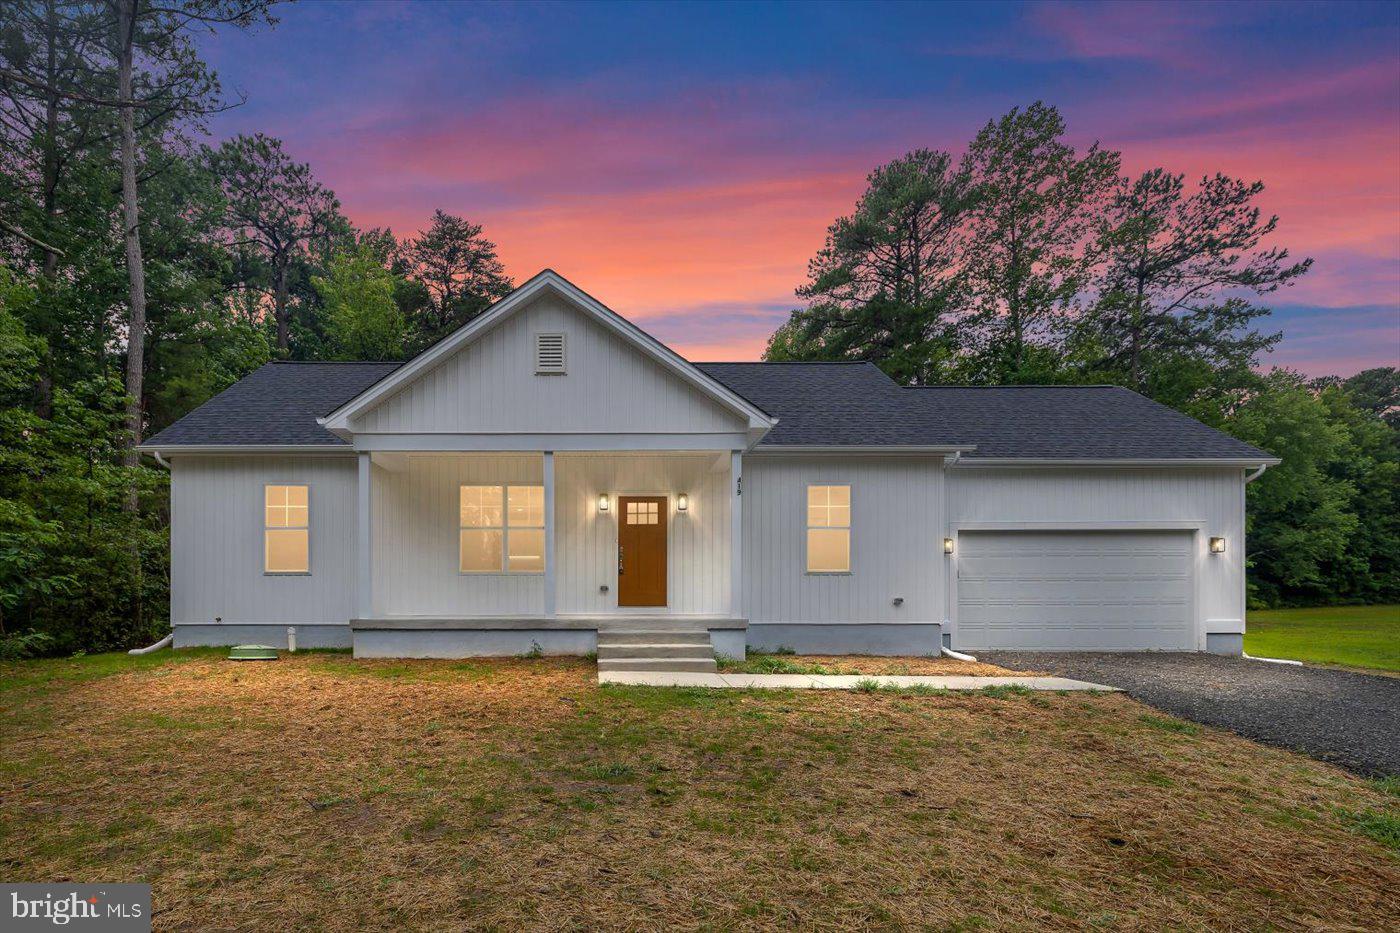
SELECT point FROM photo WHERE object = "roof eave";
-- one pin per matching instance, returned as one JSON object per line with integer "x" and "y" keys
{"x": 869, "y": 449}
{"x": 1119, "y": 461}
{"x": 168, "y": 450}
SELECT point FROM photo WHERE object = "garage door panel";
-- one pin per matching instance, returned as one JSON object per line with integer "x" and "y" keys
{"x": 1096, "y": 590}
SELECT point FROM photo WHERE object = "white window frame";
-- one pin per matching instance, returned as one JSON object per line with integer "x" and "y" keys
{"x": 266, "y": 528}
{"x": 504, "y": 528}
{"x": 849, "y": 528}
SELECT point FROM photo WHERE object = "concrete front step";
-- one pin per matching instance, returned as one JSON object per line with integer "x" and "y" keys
{"x": 609, "y": 652}
{"x": 653, "y": 637}
{"x": 657, "y": 664}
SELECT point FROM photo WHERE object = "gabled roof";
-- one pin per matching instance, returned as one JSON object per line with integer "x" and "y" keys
{"x": 338, "y": 421}
{"x": 275, "y": 406}
{"x": 801, "y": 406}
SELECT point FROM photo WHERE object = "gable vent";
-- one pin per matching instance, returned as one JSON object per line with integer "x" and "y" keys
{"x": 549, "y": 354}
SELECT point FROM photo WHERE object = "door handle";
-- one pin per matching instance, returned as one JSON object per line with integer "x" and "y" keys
{"x": 619, "y": 560}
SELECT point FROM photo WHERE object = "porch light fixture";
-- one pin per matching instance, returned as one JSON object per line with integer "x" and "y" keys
{"x": 947, "y": 545}
{"x": 682, "y": 502}
{"x": 603, "y": 502}
{"x": 1217, "y": 545}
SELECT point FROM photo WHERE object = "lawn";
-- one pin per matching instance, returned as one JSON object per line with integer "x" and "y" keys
{"x": 1355, "y": 636}
{"x": 324, "y": 792}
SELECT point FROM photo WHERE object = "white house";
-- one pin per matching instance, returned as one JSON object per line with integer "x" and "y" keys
{"x": 550, "y": 472}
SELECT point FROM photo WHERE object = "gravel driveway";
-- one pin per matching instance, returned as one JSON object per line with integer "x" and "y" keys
{"x": 1349, "y": 719}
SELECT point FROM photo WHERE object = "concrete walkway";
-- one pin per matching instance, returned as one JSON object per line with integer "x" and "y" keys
{"x": 836, "y": 681}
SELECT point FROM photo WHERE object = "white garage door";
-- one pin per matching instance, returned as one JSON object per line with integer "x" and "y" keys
{"x": 1088, "y": 591}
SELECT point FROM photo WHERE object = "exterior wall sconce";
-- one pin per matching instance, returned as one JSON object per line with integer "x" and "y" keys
{"x": 682, "y": 502}
{"x": 603, "y": 502}
{"x": 1217, "y": 545}
{"x": 947, "y": 545}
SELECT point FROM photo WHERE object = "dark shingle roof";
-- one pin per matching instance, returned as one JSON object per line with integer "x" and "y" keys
{"x": 1068, "y": 423}
{"x": 821, "y": 403}
{"x": 826, "y": 404}
{"x": 277, "y": 404}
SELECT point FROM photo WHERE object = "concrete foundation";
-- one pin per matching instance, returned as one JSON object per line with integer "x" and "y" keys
{"x": 728, "y": 643}
{"x": 308, "y": 636}
{"x": 468, "y": 643}
{"x": 1225, "y": 643}
{"x": 875, "y": 638}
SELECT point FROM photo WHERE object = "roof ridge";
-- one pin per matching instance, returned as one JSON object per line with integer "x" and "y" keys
{"x": 1029, "y": 385}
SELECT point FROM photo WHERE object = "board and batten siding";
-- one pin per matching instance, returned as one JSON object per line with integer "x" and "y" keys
{"x": 1042, "y": 498}
{"x": 697, "y": 566}
{"x": 896, "y": 541}
{"x": 216, "y": 542}
{"x": 416, "y": 516}
{"x": 490, "y": 386}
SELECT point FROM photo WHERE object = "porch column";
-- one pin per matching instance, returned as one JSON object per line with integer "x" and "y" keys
{"x": 736, "y": 534}
{"x": 364, "y": 570}
{"x": 548, "y": 534}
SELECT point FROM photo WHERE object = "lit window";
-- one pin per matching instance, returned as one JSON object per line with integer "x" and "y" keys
{"x": 286, "y": 529}
{"x": 502, "y": 529}
{"x": 642, "y": 513}
{"x": 828, "y": 529}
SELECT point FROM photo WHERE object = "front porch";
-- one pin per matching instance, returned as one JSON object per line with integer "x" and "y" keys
{"x": 507, "y": 553}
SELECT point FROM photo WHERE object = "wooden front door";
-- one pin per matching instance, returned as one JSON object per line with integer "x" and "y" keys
{"x": 641, "y": 550}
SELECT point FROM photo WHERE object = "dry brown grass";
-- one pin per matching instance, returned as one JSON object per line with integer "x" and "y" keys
{"x": 321, "y": 792}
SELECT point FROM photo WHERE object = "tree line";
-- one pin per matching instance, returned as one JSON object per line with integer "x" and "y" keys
{"x": 145, "y": 267}
{"x": 1026, "y": 261}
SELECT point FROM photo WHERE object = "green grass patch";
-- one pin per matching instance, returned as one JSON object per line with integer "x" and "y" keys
{"x": 1005, "y": 691}
{"x": 1381, "y": 825}
{"x": 1355, "y": 636}
{"x": 1167, "y": 724}
{"x": 758, "y": 663}
{"x": 44, "y": 674}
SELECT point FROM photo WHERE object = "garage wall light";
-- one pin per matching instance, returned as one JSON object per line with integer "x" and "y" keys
{"x": 682, "y": 502}
{"x": 947, "y": 545}
{"x": 603, "y": 502}
{"x": 1217, "y": 545}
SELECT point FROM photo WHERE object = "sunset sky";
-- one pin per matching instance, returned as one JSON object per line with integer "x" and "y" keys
{"x": 682, "y": 163}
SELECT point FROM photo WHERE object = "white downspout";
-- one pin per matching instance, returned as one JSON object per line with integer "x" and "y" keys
{"x": 948, "y": 568}
{"x": 163, "y": 643}
{"x": 1256, "y": 474}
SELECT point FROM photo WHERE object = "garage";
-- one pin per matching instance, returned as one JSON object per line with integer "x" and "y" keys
{"x": 1076, "y": 590}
